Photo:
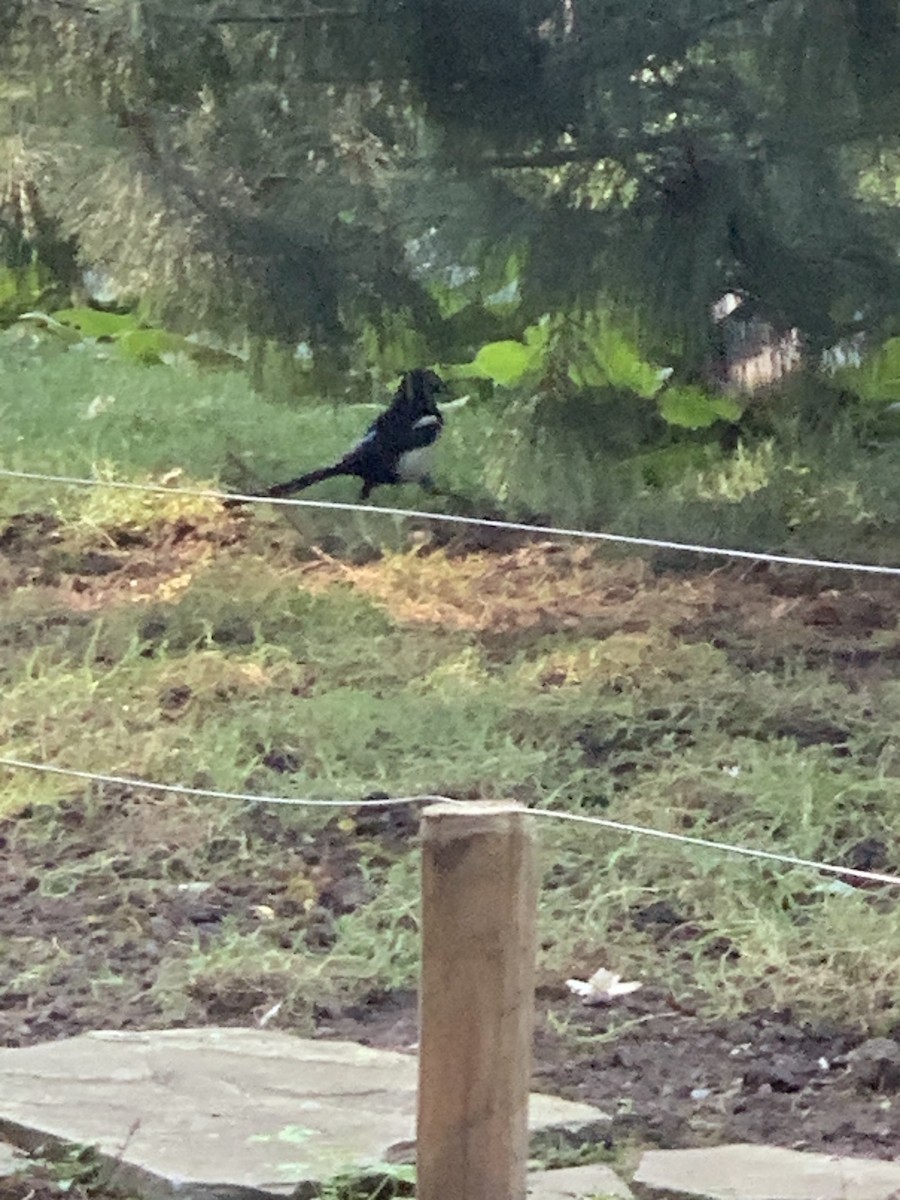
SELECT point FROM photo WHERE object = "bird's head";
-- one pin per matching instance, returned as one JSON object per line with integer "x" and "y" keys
{"x": 421, "y": 389}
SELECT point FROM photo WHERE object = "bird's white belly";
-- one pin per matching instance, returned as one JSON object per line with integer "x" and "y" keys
{"x": 414, "y": 465}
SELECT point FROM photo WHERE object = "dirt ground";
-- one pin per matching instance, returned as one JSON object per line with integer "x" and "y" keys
{"x": 668, "y": 1076}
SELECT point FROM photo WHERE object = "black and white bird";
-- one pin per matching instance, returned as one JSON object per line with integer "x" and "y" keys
{"x": 397, "y": 447}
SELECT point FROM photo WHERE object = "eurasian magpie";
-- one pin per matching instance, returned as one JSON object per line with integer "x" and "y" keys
{"x": 398, "y": 445}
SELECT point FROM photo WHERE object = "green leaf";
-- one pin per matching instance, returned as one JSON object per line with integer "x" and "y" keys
{"x": 505, "y": 362}
{"x": 693, "y": 408}
{"x": 603, "y": 356}
{"x": 92, "y": 323}
{"x": 587, "y": 372}
{"x": 149, "y": 345}
{"x": 878, "y": 379}
{"x": 625, "y": 368}
{"x": 538, "y": 336}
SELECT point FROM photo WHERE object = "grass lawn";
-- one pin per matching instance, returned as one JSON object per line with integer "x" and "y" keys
{"x": 338, "y": 656}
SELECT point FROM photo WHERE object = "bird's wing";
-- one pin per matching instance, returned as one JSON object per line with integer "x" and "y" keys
{"x": 424, "y": 432}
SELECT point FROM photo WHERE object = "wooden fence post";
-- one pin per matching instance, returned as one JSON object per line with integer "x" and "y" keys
{"x": 479, "y": 903}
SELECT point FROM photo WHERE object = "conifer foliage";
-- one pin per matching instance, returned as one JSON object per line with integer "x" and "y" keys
{"x": 267, "y": 166}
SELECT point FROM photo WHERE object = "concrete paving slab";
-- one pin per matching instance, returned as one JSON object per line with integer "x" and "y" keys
{"x": 577, "y": 1183}
{"x": 231, "y": 1114}
{"x": 764, "y": 1173}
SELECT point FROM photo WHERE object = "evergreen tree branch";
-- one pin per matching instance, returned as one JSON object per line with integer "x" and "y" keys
{"x": 747, "y": 8}
{"x": 72, "y": 6}
{"x": 319, "y": 14}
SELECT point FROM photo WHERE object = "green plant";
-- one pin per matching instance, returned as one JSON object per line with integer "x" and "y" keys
{"x": 75, "y": 1168}
{"x": 381, "y": 1183}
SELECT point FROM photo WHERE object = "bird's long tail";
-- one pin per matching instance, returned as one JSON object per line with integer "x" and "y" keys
{"x": 307, "y": 480}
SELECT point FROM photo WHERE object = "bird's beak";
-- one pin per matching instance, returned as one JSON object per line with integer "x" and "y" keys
{"x": 452, "y": 405}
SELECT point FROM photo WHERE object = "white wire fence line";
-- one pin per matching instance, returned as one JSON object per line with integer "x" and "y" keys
{"x": 623, "y": 827}
{"x": 622, "y": 539}
{"x": 211, "y": 793}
